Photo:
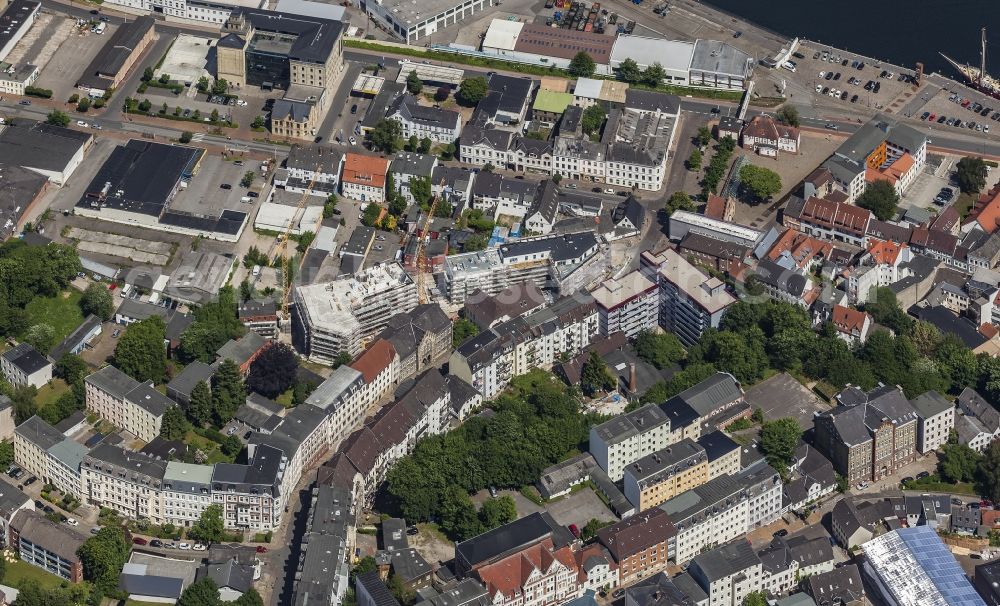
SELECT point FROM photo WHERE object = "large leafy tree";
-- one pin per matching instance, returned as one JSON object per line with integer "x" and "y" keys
{"x": 679, "y": 201}
{"x": 97, "y": 300}
{"x": 273, "y": 372}
{"x": 209, "y": 528}
{"x": 215, "y": 323}
{"x": 659, "y": 349}
{"x": 778, "y": 440}
{"x": 881, "y": 198}
{"x": 200, "y": 593}
{"x": 413, "y": 83}
{"x": 989, "y": 472}
{"x": 228, "y": 392}
{"x": 472, "y": 90}
{"x": 593, "y": 118}
{"x": 582, "y": 65}
{"x": 971, "y": 173}
{"x": 789, "y": 114}
{"x": 174, "y": 425}
{"x": 70, "y": 368}
{"x": 103, "y": 556}
{"x": 386, "y": 135}
{"x": 199, "y": 409}
{"x": 758, "y": 184}
{"x": 462, "y": 330}
{"x": 653, "y": 75}
{"x": 958, "y": 462}
{"x": 497, "y": 512}
{"x": 595, "y": 376}
{"x": 141, "y": 353}
{"x": 629, "y": 71}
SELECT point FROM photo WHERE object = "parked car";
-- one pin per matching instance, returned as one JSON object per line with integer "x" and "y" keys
{"x": 576, "y": 531}
{"x": 923, "y": 474}
{"x": 72, "y": 522}
{"x": 184, "y": 546}
{"x": 261, "y": 549}
{"x": 226, "y": 186}
{"x": 781, "y": 533}
{"x": 199, "y": 547}
{"x": 156, "y": 543}
{"x": 140, "y": 541}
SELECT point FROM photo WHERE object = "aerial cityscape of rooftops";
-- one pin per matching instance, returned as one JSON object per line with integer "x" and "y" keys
{"x": 482, "y": 303}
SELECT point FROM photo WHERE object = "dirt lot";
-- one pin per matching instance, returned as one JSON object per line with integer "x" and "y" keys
{"x": 792, "y": 168}
{"x": 431, "y": 544}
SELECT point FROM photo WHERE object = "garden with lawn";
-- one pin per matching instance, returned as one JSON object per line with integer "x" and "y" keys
{"x": 61, "y": 312}
{"x": 19, "y": 573}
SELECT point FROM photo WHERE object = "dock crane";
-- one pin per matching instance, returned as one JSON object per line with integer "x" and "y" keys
{"x": 422, "y": 247}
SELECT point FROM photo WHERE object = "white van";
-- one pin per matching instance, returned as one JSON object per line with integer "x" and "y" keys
{"x": 256, "y": 270}
{"x": 789, "y": 65}
{"x": 99, "y": 28}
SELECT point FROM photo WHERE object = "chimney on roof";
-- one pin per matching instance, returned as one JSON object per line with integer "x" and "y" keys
{"x": 632, "y": 382}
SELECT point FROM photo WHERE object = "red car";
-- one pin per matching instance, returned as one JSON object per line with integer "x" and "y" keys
{"x": 574, "y": 530}
{"x": 261, "y": 549}
{"x": 932, "y": 118}
{"x": 140, "y": 541}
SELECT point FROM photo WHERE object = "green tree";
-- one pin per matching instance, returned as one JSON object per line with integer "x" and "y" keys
{"x": 141, "y": 353}
{"x": 174, "y": 425}
{"x": 420, "y": 189}
{"x": 97, "y": 300}
{"x": 462, "y": 330}
{"x": 370, "y": 215}
{"x": 6, "y": 456}
{"x": 659, "y": 349}
{"x": 413, "y": 144}
{"x": 83, "y": 105}
{"x": 199, "y": 410}
{"x": 755, "y": 598}
{"x": 147, "y": 74}
{"x": 220, "y": 86}
{"x": 789, "y": 114}
{"x": 629, "y": 71}
{"x": 472, "y": 90}
{"x": 145, "y": 105}
{"x": 742, "y": 355}
{"x": 653, "y": 75}
{"x": 885, "y": 310}
{"x": 329, "y": 206}
{"x": 215, "y": 323}
{"x": 925, "y": 337}
{"x": 989, "y": 472}
{"x": 41, "y": 336}
{"x": 250, "y": 598}
{"x": 448, "y": 151}
{"x": 694, "y": 160}
{"x": 679, "y": 201}
{"x": 582, "y": 65}
{"x": 341, "y": 359}
{"x": 458, "y": 515}
{"x": 958, "y": 463}
{"x": 413, "y": 83}
{"x": 209, "y": 528}
{"x": 778, "y": 440}
{"x": 228, "y": 392}
{"x": 971, "y": 173}
{"x": 258, "y": 122}
{"x": 248, "y": 178}
{"x": 214, "y": 116}
{"x": 231, "y": 446}
{"x": 57, "y": 118}
{"x": 475, "y": 242}
{"x": 305, "y": 241}
{"x": 589, "y": 530}
{"x": 497, "y": 512}
{"x": 593, "y": 118}
{"x": 759, "y": 183}
{"x": 595, "y": 376}
{"x": 200, "y": 593}
{"x": 704, "y": 136}
{"x": 385, "y": 137}
{"x": 186, "y": 137}
{"x": 103, "y": 556}
{"x": 425, "y": 145}
{"x": 881, "y": 198}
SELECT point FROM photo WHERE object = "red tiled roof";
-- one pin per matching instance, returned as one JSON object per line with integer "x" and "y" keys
{"x": 987, "y": 210}
{"x": 852, "y": 219}
{"x": 848, "y": 320}
{"x": 766, "y": 127}
{"x": 892, "y": 173}
{"x": 508, "y": 575}
{"x": 802, "y": 248}
{"x": 374, "y": 360}
{"x": 885, "y": 252}
{"x": 365, "y": 170}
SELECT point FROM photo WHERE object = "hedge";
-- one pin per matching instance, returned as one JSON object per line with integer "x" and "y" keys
{"x": 33, "y": 91}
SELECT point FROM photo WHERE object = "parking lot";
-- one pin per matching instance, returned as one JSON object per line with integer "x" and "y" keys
{"x": 578, "y": 507}
{"x": 868, "y": 84}
{"x": 929, "y": 183}
{"x": 66, "y": 54}
{"x": 959, "y": 110}
{"x": 207, "y": 194}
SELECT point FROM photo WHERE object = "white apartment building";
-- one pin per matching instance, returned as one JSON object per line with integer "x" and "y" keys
{"x": 490, "y": 359}
{"x": 22, "y": 365}
{"x": 32, "y": 441}
{"x": 64, "y": 461}
{"x": 126, "y": 403}
{"x": 723, "y": 509}
{"x": 441, "y": 125}
{"x": 880, "y": 266}
{"x": 690, "y": 301}
{"x": 344, "y": 397}
{"x": 312, "y": 164}
{"x": 935, "y": 420}
{"x": 128, "y": 482}
{"x": 338, "y": 316}
{"x": 482, "y": 146}
{"x": 187, "y": 492}
{"x": 363, "y": 177}
{"x": 250, "y": 495}
{"x": 728, "y": 573}
{"x": 978, "y": 424}
{"x": 630, "y": 304}
{"x": 627, "y": 438}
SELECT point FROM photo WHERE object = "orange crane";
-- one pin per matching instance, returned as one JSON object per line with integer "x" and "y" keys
{"x": 422, "y": 269}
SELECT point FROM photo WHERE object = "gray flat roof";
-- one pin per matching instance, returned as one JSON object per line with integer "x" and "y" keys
{"x": 40, "y": 146}
{"x": 716, "y": 57}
